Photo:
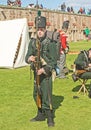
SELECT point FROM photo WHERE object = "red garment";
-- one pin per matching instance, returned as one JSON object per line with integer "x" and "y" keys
{"x": 63, "y": 41}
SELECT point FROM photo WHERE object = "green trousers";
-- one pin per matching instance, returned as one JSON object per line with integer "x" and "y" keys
{"x": 45, "y": 89}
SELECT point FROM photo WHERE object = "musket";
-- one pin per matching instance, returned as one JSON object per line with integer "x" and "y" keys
{"x": 38, "y": 62}
{"x": 38, "y": 65}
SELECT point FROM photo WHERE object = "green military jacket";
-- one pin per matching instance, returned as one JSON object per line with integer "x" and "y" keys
{"x": 82, "y": 60}
{"x": 87, "y": 31}
{"x": 47, "y": 53}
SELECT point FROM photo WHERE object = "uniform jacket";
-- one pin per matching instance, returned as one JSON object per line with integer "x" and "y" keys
{"x": 47, "y": 52}
{"x": 63, "y": 41}
{"x": 87, "y": 31}
{"x": 82, "y": 60}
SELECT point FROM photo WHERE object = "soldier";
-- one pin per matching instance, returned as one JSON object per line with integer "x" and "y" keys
{"x": 83, "y": 61}
{"x": 48, "y": 63}
{"x": 63, "y": 51}
{"x": 87, "y": 33}
{"x": 82, "y": 65}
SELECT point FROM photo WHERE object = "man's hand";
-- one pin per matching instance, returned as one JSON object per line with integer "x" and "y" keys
{"x": 88, "y": 69}
{"x": 40, "y": 71}
{"x": 89, "y": 65}
{"x": 31, "y": 58}
{"x": 66, "y": 50}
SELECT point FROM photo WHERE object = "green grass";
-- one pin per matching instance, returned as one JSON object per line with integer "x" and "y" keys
{"x": 17, "y": 106}
{"x": 81, "y": 45}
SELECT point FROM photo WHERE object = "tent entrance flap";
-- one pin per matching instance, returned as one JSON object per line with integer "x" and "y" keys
{"x": 17, "y": 50}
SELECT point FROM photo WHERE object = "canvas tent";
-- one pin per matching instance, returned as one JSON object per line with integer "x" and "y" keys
{"x": 14, "y": 39}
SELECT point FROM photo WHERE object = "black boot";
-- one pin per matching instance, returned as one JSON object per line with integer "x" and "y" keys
{"x": 50, "y": 118}
{"x": 40, "y": 116}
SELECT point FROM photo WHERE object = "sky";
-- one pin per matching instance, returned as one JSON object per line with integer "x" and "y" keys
{"x": 55, "y": 4}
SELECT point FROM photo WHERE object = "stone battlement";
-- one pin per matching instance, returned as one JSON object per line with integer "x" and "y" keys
{"x": 54, "y": 20}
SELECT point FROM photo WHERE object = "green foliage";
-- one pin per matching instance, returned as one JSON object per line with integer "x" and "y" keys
{"x": 17, "y": 106}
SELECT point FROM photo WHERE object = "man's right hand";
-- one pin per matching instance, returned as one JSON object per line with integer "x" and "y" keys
{"x": 88, "y": 69}
{"x": 66, "y": 50}
{"x": 31, "y": 58}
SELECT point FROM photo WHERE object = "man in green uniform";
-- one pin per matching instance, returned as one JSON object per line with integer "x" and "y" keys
{"x": 87, "y": 33}
{"x": 83, "y": 65}
{"x": 83, "y": 61}
{"x": 43, "y": 73}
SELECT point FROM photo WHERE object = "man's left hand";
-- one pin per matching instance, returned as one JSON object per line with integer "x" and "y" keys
{"x": 40, "y": 71}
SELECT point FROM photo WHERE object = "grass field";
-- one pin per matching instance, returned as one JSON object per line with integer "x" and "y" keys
{"x": 17, "y": 106}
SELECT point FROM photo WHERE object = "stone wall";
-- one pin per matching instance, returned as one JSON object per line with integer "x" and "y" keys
{"x": 54, "y": 20}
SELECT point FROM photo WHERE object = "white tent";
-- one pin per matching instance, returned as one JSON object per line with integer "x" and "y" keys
{"x": 14, "y": 39}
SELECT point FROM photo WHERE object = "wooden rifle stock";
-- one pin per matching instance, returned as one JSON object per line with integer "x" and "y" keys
{"x": 88, "y": 69}
{"x": 78, "y": 72}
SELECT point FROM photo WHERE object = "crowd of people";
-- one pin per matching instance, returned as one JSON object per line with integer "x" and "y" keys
{"x": 14, "y": 3}
{"x": 81, "y": 10}
{"x": 63, "y": 7}
{"x": 18, "y": 3}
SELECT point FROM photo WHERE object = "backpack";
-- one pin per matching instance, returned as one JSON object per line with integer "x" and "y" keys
{"x": 54, "y": 36}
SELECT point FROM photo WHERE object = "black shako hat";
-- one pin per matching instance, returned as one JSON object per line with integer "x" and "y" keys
{"x": 65, "y": 24}
{"x": 40, "y": 21}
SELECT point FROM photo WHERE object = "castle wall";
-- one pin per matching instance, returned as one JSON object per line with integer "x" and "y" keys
{"x": 54, "y": 20}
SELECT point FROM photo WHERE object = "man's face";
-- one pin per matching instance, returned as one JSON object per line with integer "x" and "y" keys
{"x": 41, "y": 32}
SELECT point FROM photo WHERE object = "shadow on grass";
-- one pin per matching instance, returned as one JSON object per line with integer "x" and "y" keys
{"x": 57, "y": 100}
{"x": 76, "y": 89}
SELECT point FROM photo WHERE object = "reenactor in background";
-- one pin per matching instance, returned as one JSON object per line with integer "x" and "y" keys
{"x": 87, "y": 33}
{"x": 82, "y": 65}
{"x": 43, "y": 87}
{"x": 83, "y": 61}
{"x": 64, "y": 48}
